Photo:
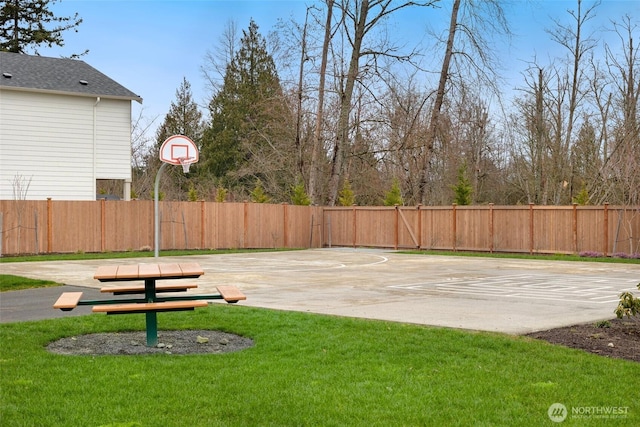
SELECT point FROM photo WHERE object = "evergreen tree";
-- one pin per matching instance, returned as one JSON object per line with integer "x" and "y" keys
{"x": 300, "y": 196}
{"x": 463, "y": 189}
{"x": 183, "y": 118}
{"x": 28, "y": 24}
{"x": 221, "y": 194}
{"x": 258, "y": 195}
{"x": 394, "y": 196}
{"x": 249, "y": 121}
{"x": 346, "y": 196}
{"x": 582, "y": 198}
{"x": 193, "y": 193}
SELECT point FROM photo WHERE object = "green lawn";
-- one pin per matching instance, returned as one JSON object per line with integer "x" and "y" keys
{"x": 305, "y": 370}
{"x": 9, "y": 282}
{"x": 130, "y": 254}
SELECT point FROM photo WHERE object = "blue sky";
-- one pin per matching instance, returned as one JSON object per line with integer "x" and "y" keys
{"x": 149, "y": 46}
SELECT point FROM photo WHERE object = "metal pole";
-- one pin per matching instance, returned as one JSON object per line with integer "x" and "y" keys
{"x": 151, "y": 317}
{"x": 156, "y": 208}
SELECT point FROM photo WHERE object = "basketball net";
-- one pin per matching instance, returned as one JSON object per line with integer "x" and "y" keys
{"x": 186, "y": 162}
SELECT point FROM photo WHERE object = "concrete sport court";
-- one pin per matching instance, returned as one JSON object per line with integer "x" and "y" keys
{"x": 488, "y": 294}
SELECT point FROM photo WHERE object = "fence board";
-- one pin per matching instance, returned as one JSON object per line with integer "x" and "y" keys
{"x": 94, "y": 226}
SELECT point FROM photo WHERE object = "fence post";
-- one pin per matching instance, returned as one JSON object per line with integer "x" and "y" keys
{"x": 396, "y": 225}
{"x": 454, "y": 225}
{"x": 49, "y": 225}
{"x": 102, "y": 223}
{"x": 419, "y": 227}
{"x": 354, "y": 227}
{"x": 606, "y": 228}
{"x": 285, "y": 221}
{"x": 202, "y": 224}
{"x": 575, "y": 228}
{"x": 531, "y": 229}
{"x": 490, "y": 227}
{"x": 245, "y": 232}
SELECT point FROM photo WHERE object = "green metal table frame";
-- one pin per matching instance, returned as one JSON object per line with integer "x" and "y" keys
{"x": 150, "y": 296}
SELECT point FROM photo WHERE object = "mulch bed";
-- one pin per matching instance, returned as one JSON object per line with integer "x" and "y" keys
{"x": 617, "y": 338}
{"x": 169, "y": 342}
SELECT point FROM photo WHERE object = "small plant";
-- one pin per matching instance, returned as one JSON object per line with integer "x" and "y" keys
{"x": 628, "y": 305}
{"x": 590, "y": 254}
{"x": 346, "y": 196}
{"x": 625, "y": 255}
{"x": 299, "y": 196}
{"x": 160, "y": 195}
{"x": 221, "y": 194}
{"x": 394, "y": 196}
{"x": 258, "y": 195}
{"x": 582, "y": 198}
{"x": 603, "y": 324}
{"x": 463, "y": 189}
{"x": 193, "y": 193}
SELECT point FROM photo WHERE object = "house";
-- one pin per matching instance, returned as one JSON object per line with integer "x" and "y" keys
{"x": 63, "y": 127}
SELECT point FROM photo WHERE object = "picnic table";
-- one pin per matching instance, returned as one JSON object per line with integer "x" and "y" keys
{"x": 152, "y": 302}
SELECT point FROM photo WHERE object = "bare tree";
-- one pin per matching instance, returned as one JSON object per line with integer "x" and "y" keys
{"x": 469, "y": 24}
{"x": 216, "y": 61}
{"x": 437, "y": 105}
{"x": 314, "y": 169}
{"x": 358, "y": 19}
{"x": 554, "y": 102}
{"x": 623, "y": 163}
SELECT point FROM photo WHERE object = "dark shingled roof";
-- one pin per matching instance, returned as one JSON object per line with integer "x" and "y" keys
{"x": 58, "y": 75}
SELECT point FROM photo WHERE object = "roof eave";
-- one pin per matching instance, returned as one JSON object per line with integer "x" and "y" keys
{"x": 80, "y": 94}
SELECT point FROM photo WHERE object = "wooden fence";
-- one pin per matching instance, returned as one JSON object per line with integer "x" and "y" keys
{"x": 531, "y": 229}
{"x": 103, "y": 226}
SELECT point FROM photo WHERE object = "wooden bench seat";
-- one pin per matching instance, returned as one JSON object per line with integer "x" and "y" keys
{"x": 68, "y": 301}
{"x": 139, "y": 289}
{"x": 148, "y": 307}
{"x": 231, "y": 294}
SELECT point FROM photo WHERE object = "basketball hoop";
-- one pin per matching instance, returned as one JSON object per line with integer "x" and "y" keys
{"x": 186, "y": 162}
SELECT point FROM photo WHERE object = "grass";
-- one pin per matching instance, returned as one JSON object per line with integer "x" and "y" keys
{"x": 131, "y": 254}
{"x": 9, "y": 282}
{"x": 545, "y": 257}
{"x": 304, "y": 369}
{"x": 148, "y": 254}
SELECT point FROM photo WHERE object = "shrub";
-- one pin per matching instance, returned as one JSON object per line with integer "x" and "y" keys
{"x": 346, "y": 196}
{"x": 394, "y": 195}
{"x": 463, "y": 189}
{"x": 628, "y": 305}
{"x": 590, "y": 254}
{"x": 258, "y": 195}
{"x": 626, "y": 255}
{"x": 221, "y": 194}
{"x": 300, "y": 196}
{"x": 192, "y": 195}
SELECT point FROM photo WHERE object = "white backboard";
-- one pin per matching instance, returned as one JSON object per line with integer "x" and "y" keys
{"x": 178, "y": 147}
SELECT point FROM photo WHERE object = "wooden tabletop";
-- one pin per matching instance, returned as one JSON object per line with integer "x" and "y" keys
{"x": 148, "y": 271}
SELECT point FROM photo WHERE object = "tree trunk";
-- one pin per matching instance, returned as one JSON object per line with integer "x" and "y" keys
{"x": 314, "y": 169}
{"x": 437, "y": 106}
{"x": 342, "y": 138}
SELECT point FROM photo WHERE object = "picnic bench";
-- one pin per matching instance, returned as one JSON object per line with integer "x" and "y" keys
{"x": 150, "y": 303}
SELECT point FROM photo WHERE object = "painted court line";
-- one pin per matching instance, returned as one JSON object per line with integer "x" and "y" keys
{"x": 594, "y": 290}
